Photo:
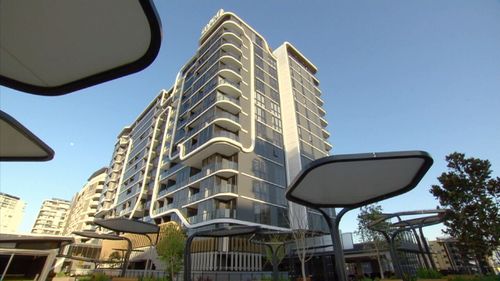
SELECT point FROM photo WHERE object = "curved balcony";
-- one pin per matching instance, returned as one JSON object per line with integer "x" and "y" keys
{"x": 328, "y": 146}
{"x": 232, "y": 25}
{"x": 220, "y": 191}
{"x": 228, "y": 103}
{"x": 230, "y": 71}
{"x": 326, "y": 134}
{"x": 217, "y": 214}
{"x": 230, "y": 58}
{"x": 230, "y": 87}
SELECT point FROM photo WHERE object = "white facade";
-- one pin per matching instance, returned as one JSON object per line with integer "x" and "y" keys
{"x": 52, "y": 217}
{"x": 11, "y": 213}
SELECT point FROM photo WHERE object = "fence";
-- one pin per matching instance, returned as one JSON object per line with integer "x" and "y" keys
{"x": 197, "y": 275}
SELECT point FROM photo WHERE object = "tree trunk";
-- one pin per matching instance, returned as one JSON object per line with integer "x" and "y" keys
{"x": 303, "y": 268}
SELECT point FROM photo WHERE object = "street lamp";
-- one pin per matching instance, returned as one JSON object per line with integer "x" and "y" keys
{"x": 354, "y": 180}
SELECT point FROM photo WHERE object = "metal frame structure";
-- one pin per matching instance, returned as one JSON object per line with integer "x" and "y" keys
{"x": 123, "y": 225}
{"x": 365, "y": 169}
{"x": 437, "y": 216}
{"x": 90, "y": 234}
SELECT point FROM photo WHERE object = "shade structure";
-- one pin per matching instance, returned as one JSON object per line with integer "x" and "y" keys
{"x": 17, "y": 143}
{"x": 91, "y": 234}
{"x": 420, "y": 222}
{"x": 354, "y": 180}
{"x": 128, "y": 226}
{"x": 95, "y": 235}
{"x": 56, "y": 47}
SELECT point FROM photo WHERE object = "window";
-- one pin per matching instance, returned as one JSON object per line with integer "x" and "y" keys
{"x": 261, "y": 115}
{"x": 260, "y": 100}
{"x": 259, "y": 85}
{"x": 259, "y": 73}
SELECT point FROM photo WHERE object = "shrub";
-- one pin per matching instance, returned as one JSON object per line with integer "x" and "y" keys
{"x": 424, "y": 273}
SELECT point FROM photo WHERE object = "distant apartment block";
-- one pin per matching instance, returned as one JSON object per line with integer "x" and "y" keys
{"x": 11, "y": 213}
{"x": 449, "y": 258}
{"x": 84, "y": 204}
{"x": 52, "y": 217}
{"x": 220, "y": 146}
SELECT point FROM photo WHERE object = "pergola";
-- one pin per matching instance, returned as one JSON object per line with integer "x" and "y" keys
{"x": 102, "y": 236}
{"x": 431, "y": 217}
{"x": 123, "y": 225}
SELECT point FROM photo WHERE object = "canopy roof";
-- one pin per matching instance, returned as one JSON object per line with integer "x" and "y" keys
{"x": 128, "y": 226}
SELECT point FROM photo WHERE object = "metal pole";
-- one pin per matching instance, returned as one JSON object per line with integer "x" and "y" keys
{"x": 417, "y": 238}
{"x": 187, "y": 258}
{"x": 427, "y": 248}
{"x": 336, "y": 242}
{"x": 7, "y": 266}
{"x": 127, "y": 256}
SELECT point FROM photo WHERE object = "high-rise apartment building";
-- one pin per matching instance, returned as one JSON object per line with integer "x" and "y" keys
{"x": 11, "y": 213}
{"x": 221, "y": 145}
{"x": 52, "y": 217}
{"x": 84, "y": 204}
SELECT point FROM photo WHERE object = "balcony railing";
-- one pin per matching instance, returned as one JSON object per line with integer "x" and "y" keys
{"x": 218, "y": 188}
{"x": 214, "y": 167}
{"x": 229, "y": 81}
{"x": 217, "y": 214}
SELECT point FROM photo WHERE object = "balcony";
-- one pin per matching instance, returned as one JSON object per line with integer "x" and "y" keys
{"x": 228, "y": 103}
{"x": 217, "y": 214}
{"x": 221, "y": 191}
{"x": 323, "y": 121}
{"x": 230, "y": 71}
{"x": 321, "y": 111}
{"x": 326, "y": 134}
{"x": 230, "y": 87}
{"x": 328, "y": 146}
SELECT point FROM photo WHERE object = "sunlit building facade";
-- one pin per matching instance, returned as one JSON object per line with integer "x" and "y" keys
{"x": 11, "y": 213}
{"x": 52, "y": 217}
{"x": 220, "y": 146}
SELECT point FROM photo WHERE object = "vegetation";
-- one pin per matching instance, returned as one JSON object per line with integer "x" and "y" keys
{"x": 300, "y": 236}
{"x": 472, "y": 196}
{"x": 116, "y": 258}
{"x": 274, "y": 250}
{"x": 372, "y": 239}
{"x": 424, "y": 273}
{"x": 171, "y": 248}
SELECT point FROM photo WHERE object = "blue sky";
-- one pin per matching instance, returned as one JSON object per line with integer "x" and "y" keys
{"x": 395, "y": 75}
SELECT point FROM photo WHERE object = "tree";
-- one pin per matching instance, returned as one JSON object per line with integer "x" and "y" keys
{"x": 116, "y": 258}
{"x": 300, "y": 236}
{"x": 372, "y": 239}
{"x": 171, "y": 248}
{"x": 472, "y": 196}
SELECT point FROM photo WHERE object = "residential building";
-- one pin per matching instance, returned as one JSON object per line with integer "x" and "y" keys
{"x": 52, "y": 217}
{"x": 220, "y": 146}
{"x": 84, "y": 204}
{"x": 11, "y": 213}
{"x": 82, "y": 214}
{"x": 449, "y": 258}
